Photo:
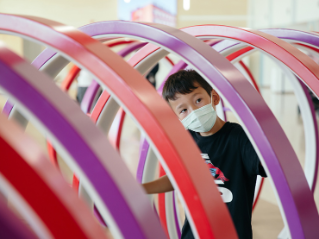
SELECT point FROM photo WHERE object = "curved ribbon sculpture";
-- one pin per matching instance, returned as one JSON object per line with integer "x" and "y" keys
{"x": 31, "y": 183}
{"x": 95, "y": 163}
{"x": 172, "y": 146}
{"x": 144, "y": 109}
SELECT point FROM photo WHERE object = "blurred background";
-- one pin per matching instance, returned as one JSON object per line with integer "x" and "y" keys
{"x": 254, "y": 14}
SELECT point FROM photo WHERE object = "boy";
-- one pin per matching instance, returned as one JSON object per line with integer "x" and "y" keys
{"x": 225, "y": 148}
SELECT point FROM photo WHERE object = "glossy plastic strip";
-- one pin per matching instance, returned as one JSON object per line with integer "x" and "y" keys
{"x": 276, "y": 172}
{"x": 57, "y": 205}
{"x": 97, "y": 163}
{"x": 168, "y": 144}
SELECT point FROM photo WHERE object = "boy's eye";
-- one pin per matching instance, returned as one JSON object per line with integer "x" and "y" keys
{"x": 183, "y": 111}
{"x": 198, "y": 100}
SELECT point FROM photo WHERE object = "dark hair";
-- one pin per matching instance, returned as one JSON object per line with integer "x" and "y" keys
{"x": 183, "y": 82}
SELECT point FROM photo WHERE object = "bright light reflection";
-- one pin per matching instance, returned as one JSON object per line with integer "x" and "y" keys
{"x": 186, "y": 4}
{"x": 127, "y": 1}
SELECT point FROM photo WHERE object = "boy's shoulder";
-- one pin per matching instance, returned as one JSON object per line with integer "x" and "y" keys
{"x": 232, "y": 129}
{"x": 233, "y": 125}
{"x": 233, "y": 133}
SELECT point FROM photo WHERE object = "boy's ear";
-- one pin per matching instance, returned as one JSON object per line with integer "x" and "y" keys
{"x": 215, "y": 97}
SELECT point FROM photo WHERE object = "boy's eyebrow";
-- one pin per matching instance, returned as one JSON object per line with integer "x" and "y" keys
{"x": 181, "y": 105}
{"x": 195, "y": 94}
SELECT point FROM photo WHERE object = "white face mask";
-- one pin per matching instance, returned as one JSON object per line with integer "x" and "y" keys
{"x": 201, "y": 120}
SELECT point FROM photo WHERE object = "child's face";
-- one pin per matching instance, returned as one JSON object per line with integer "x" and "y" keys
{"x": 185, "y": 104}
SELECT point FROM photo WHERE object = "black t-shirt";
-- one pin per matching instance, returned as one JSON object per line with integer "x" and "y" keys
{"x": 235, "y": 165}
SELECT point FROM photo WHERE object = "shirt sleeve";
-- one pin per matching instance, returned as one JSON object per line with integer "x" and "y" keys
{"x": 249, "y": 156}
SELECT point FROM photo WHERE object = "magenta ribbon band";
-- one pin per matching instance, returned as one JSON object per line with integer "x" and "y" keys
{"x": 90, "y": 93}
{"x": 259, "y": 122}
{"x": 11, "y": 226}
{"x": 218, "y": 230}
{"x": 75, "y": 131}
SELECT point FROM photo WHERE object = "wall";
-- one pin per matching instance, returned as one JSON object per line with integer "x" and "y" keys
{"x": 230, "y": 12}
{"x": 296, "y": 14}
{"x": 71, "y": 12}
{"x": 283, "y": 13}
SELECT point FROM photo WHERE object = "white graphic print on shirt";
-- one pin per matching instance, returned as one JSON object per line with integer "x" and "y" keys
{"x": 220, "y": 178}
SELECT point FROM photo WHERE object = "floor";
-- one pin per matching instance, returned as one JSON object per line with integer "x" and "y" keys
{"x": 266, "y": 220}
